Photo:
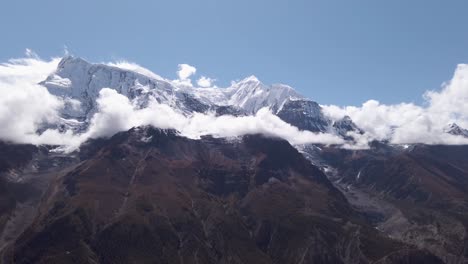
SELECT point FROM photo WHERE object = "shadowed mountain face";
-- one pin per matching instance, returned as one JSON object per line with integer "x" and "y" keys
{"x": 25, "y": 172}
{"x": 12, "y": 190}
{"x": 150, "y": 196}
{"x": 305, "y": 115}
{"x": 418, "y": 195}
{"x": 14, "y": 155}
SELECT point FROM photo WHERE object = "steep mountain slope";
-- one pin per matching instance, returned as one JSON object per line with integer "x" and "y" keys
{"x": 305, "y": 115}
{"x": 151, "y": 196}
{"x": 25, "y": 172}
{"x": 13, "y": 191}
{"x": 417, "y": 194}
{"x": 345, "y": 125}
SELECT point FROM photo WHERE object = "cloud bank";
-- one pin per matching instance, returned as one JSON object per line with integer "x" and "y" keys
{"x": 408, "y": 123}
{"x": 118, "y": 113}
{"x": 25, "y": 105}
{"x": 27, "y": 109}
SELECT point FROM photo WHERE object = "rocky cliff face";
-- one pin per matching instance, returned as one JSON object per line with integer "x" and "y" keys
{"x": 305, "y": 115}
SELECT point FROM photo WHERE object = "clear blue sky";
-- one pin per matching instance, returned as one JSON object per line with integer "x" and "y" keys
{"x": 335, "y": 52}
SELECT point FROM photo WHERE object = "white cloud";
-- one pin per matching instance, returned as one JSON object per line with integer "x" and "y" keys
{"x": 25, "y": 105}
{"x": 185, "y": 71}
{"x": 205, "y": 82}
{"x": 410, "y": 123}
{"x": 115, "y": 114}
{"x": 118, "y": 114}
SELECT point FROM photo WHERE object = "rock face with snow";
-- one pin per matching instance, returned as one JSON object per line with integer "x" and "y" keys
{"x": 251, "y": 95}
{"x": 456, "y": 130}
{"x": 81, "y": 81}
{"x": 344, "y": 126}
{"x": 305, "y": 115}
{"x": 78, "y": 82}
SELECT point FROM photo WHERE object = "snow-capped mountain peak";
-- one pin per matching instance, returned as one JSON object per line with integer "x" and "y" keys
{"x": 79, "y": 82}
{"x": 456, "y": 130}
{"x": 250, "y": 79}
{"x": 251, "y": 95}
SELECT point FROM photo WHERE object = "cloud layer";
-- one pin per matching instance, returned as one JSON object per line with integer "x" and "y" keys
{"x": 117, "y": 113}
{"x": 24, "y": 105}
{"x": 408, "y": 123}
{"x": 27, "y": 108}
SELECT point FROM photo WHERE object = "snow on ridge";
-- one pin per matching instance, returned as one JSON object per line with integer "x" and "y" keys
{"x": 85, "y": 80}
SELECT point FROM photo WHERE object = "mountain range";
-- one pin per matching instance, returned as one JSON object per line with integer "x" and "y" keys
{"x": 153, "y": 195}
{"x": 80, "y": 82}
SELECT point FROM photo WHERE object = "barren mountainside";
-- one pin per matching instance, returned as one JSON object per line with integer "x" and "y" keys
{"x": 151, "y": 196}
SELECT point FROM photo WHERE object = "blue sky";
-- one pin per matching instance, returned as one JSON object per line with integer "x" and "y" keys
{"x": 335, "y": 52}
